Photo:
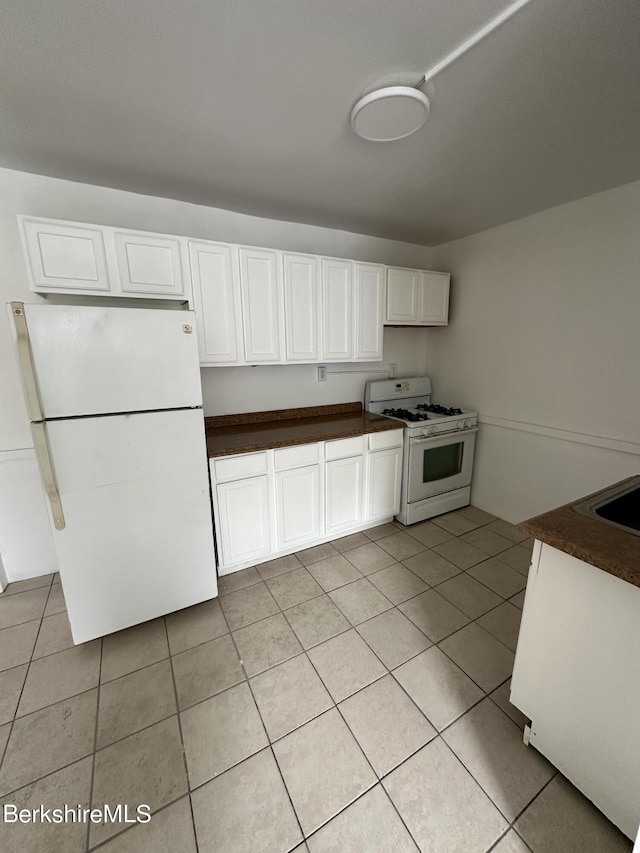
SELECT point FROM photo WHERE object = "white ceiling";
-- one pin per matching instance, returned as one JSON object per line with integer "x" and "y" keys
{"x": 244, "y": 104}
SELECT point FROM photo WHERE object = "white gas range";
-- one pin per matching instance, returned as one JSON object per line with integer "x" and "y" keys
{"x": 439, "y": 444}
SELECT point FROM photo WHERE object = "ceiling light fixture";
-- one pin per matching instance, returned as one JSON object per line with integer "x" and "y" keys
{"x": 396, "y": 112}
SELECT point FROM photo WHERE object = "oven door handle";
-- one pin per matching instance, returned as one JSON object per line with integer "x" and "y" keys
{"x": 423, "y": 439}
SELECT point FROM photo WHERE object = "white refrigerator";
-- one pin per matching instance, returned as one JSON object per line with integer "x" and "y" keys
{"x": 115, "y": 403}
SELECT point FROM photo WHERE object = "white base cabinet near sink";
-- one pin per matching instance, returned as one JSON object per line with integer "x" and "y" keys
{"x": 577, "y": 678}
{"x": 275, "y": 502}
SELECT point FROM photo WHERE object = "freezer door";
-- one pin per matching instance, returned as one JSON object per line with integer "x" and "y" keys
{"x": 95, "y": 360}
{"x": 138, "y": 541}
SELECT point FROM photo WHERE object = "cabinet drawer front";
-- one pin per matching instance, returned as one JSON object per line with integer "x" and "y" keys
{"x": 383, "y": 440}
{"x": 239, "y": 467}
{"x": 344, "y": 447}
{"x": 292, "y": 457}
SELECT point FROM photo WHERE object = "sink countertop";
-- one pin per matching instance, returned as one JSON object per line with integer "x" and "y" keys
{"x": 608, "y": 548}
{"x": 254, "y": 431}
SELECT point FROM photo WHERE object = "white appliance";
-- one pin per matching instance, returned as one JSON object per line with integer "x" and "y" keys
{"x": 439, "y": 444}
{"x": 115, "y": 403}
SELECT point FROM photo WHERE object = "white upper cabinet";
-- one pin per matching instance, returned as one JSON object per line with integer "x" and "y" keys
{"x": 253, "y": 305}
{"x": 337, "y": 316}
{"x": 416, "y": 298}
{"x": 71, "y": 257}
{"x": 261, "y": 304}
{"x": 64, "y": 257}
{"x": 214, "y": 269}
{"x": 301, "y": 307}
{"x": 402, "y": 296}
{"x": 368, "y": 311}
{"x": 434, "y": 298}
{"x": 149, "y": 263}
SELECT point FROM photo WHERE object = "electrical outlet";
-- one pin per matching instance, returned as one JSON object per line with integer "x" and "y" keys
{"x": 393, "y": 371}
{"x": 322, "y": 373}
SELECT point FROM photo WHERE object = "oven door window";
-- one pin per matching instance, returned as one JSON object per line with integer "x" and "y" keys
{"x": 438, "y": 463}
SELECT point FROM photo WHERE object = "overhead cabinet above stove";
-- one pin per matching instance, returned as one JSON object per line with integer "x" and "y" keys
{"x": 416, "y": 298}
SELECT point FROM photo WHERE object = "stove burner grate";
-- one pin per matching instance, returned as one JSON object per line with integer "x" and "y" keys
{"x": 439, "y": 410}
{"x": 406, "y": 414}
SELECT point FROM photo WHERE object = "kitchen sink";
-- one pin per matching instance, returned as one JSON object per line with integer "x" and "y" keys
{"x": 618, "y": 506}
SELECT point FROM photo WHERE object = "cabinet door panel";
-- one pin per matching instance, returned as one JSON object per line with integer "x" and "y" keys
{"x": 384, "y": 471}
{"x": 149, "y": 264}
{"x": 343, "y": 494}
{"x": 260, "y": 304}
{"x": 402, "y": 295}
{"x": 217, "y": 297}
{"x": 369, "y": 310}
{"x": 434, "y": 298}
{"x": 243, "y": 522}
{"x": 298, "y": 505}
{"x": 64, "y": 257}
{"x": 301, "y": 309}
{"x": 337, "y": 313}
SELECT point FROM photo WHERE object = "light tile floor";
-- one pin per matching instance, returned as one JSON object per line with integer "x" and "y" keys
{"x": 352, "y": 697}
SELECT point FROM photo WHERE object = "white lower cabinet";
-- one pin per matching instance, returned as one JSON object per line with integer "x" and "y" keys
{"x": 343, "y": 494}
{"x": 275, "y": 502}
{"x": 577, "y": 678}
{"x": 384, "y": 472}
{"x": 298, "y": 516}
{"x": 243, "y": 522}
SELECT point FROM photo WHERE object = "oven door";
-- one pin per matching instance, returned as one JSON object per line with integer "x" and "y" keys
{"x": 440, "y": 463}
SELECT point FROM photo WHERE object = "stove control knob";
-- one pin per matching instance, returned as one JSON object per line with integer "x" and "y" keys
{"x": 461, "y": 424}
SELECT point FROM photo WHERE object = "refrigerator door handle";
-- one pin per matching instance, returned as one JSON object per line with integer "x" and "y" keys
{"x": 46, "y": 470}
{"x": 26, "y": 362}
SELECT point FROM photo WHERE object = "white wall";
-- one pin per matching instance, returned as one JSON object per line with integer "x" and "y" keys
{"x": 250, "y": 389}
{"x": 225, "y": 389}
{"x": 544, "y": 339}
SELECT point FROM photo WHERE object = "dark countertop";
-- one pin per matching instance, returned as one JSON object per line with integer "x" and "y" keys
{"x": 608, "y": 548}
{"x": 245, "y": 433}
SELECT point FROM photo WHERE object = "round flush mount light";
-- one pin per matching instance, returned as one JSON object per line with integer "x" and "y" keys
{"x": 389, "y": 114}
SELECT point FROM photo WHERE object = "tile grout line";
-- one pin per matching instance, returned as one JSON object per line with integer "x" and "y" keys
{"x": 13, "y": 719}
{"x": 337, "y": 706}
{"x": 15, "y": 713}
{"x": 180, "y": 732}
{"x": 119, "y": 834}
{"x": 316, "y": 716}
{"x": 95, "y": 743}
{"x": 269, "y": 742}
